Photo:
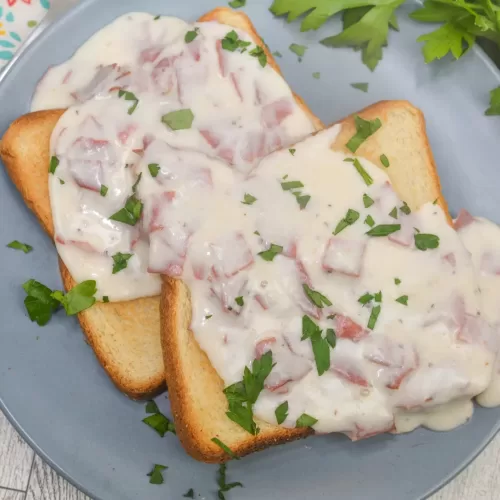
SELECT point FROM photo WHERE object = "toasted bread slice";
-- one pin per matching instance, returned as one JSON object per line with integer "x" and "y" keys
{"x": 125, "y": 336}
{"x": 195, "y": 389}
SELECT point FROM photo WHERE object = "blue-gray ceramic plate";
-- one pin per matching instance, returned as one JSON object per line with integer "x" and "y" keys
{"x": 57, "y": 395}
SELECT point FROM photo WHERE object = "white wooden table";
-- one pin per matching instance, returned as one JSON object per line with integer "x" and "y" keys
{"x": 24, "y": 476}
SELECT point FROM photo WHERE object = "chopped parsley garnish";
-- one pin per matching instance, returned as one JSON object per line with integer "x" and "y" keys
{"x": 318, "y": 299}
{"x": 373, "y": 317}
{"x": 242, "y": 395}
{"x": 425, "y": 241}
{"x": 350, "y": 218}
{"x": 182, "y": 119}
{"x": 292, "y": 151}
{"x": 317, "y": 75}
{"x": 248, "y": 199}
{"x": 160, "y": 423}
{"x": 223, "y": 486}
{"x": 105, "y": 299}
{"x": 61, "y": 182}
{"x": 54, "y": 163}
{"x": 156, "y": 18}
{"x": 331, "y": 338}
{"x": 305, "y": 420}
{"x": 369, "y": 221}
{"x": 405, "y": 208}
{"x": 385, "y": 161}
{"x": 364, "y": 129}
{"x": 104, "y": 190}
{"x": 367, "y": 201}
{"x": 232, "y": 42}
{"x": 78, "y": 299}
{"x": 129, "y": 96}
{"x": 236, "y": 4}
{"x": 397, "y": 281}
{"x": 136, "y": 183}
{"x": 271, "y": 252}
{"x": 302, "y": 199}
{"x": 319, "y": 344}
{"x": 130, "y": 213}
{"x": 435, "y": 202}
{"x": 364, "y": 174}
{"x": 17, "y": 245}
{"x": 299, "y": 50}
{"x": 281, "y": 412}
{"x": 239, "y": 301}
{"x": 365, "y": 299}
{"x": 288, "y": 185}
{"x": 377, "y": 297}
{"x": 260, "y": 54}
{"x": 403, "y": 300}
{"x": 277, "y": 54}
{"x": 39, "y": 302}
{"x": 120, "y": 261}
{"x": 225, "y": 448}
{"x": 394, "y": 213}
{"x": 360, "y": 86}
{"x": 154, "y": 169}
{"x": 152, "y": 407}
{"x": 383, "y": 229}
{"x": 208, "y": 316}
{"x": 156, "y": 476}
{"x": 189, "y": 493}
{"x": 191, "y": 35}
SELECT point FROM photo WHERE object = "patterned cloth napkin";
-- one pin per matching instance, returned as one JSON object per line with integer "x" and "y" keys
{"x": 17, "y": 19}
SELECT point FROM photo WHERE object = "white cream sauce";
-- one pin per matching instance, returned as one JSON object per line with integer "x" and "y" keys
{"x": 433, "y": 346}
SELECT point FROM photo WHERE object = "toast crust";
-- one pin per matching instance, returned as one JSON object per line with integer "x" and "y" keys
{"x": 195, "y": 389}
{"x": 124, "y": 335}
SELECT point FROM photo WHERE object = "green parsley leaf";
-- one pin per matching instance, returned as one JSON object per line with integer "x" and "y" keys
{"x": 288, "y": 185}
{"x": 317, "y": 75}
{"x": 403, "y": 300}
{"x": 292, "y": 151}
{"x": 405, "y": 208}
{"x": 79, "y": 298}
{"x": 136, "y": 183}
{"x": 318, "y": 299}
{"x": 152, "y": 407}
{"x": 156, "y": 476}
{"x": 156, "y": 18}
{"x": 17, "y": 245}
{"x": 299, "y": 50}
{"x": 160, "y": 423}
{"x": 239, "y": 301}
{"x": 61, "y": 182}
{"x": 385, "y": 161}
{"x": 105, "y": 299}
{"x": 260, "y": 54}
{"x": 383, "y": 230}
{"x": 331, "y": 338}
{"x": 154, "y": 169}
{"x": 225, "y": 448}
{"x": 394, "y": 213}
{"x": 223, "y": 486}
{"x": 377, "y": 297}
{"x": 54, "y": 163}
{"x": 367, "y": 201}
{"x": 364, "y": 129}
{"x": 208, "y": 316}
{"x": 369, "y": 221}
{"x": 277, "y": 54}
{"x": 350, "y": 218}
{"x": 305, "y": 420}
{"x": 281, "y": 412}
{"x": 104, "y": 190}
{"x": 248, "y": 199}
{"x": 494, "y": 108}
{"x": 397, "y": 281}
{"x": 302, "y": 200}
{"x": 120, "y": 261}
{"x": 360, "y": 86}
{"x": 231, "y": 42}
{"x": 450, "y": 37}
{"x": 130, "y": 214}
{"x": 271, "y": 252}
{"x": 309, "y": 328}
{"x": 365, "y": 299}
{"x": 182, "y": 119}
{"x": 321, "y": 351}
{"x": 373, "y": 317}
{"x": 425, "y": 241}
{"x": 236, "y": 4}
{"x": 39, "y": 302}
{"x": 189, "y": 493}
{"x": 129, "y": 96}
{"x": 191, "y": 35}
